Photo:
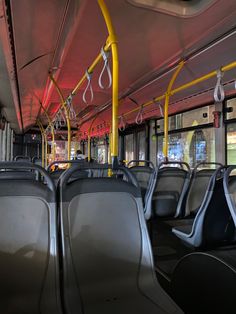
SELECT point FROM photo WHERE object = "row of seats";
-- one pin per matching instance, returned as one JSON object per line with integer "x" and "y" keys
{"x": 100, "y": 246}
{"x": 172, "y": 190}
{"x": 36, "y": 160}
{"x": 200, "y": 202}
{"x": 213, "y": 224}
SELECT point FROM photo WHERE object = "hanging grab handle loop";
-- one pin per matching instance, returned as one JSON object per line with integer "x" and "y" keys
{"x": 219, "y": 93}
{"x": 72, "y": 113}
{"x": 122, "y": 124}
{"x": 62, "y": 119}
{"x": 139, "y": 118}
{"x": 89, "y": 86}
{"x": 160, "y": 107}
{"x": 105, "y": 56}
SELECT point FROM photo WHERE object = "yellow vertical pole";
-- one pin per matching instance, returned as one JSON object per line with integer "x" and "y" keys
{"x": 166, "y": 109}
{"x": 44, "y": 145}
{"x": 63, "y": 105}
{"x": 46, "y": 150}
{"x": 110, "y": 153}
{"x": 89, "y": 148}
{"x": 112, "y": 41}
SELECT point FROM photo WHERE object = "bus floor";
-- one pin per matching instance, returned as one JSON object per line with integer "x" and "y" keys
{"x": 168, "y": 250}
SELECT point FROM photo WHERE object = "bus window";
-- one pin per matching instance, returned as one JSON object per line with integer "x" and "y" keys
{"x": 129, "y": 147}
{"x": 141, "y": 141}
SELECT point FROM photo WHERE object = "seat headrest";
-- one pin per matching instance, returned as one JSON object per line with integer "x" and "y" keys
{"x": 96, "y": 185}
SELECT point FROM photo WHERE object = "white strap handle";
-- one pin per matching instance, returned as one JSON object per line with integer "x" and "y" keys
{"x": 219, "y": 93}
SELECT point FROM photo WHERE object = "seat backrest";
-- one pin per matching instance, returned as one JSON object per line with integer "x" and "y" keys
{"x": 18, "y": 175}
{"x": 146, "y": 177}
{"x": 213, "y": 224}
{"x": 22, "y": 158}
{"x": 171, "y": 186}
{"x": 36, "y": 160}
{"x": 204, "y": 283}
{"x": 230, "y": 190}
{"x": 198, "y": 185}
{"x": 28, "y": 245}
{"x": 143, "y": 175}
{"x": 197, "y": 190}
{"x": 107, "y": 257}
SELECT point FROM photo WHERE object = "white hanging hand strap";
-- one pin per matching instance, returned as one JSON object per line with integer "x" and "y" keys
{"x": 105, "y": 56}
{"x": 122, "y": 124}
{"x": 72, "y": 114}
{"x": 89, "y": 86}
{"x": 219, "y": 93}
{"x": 160, "y": 107}
{"x": 139, "y": 118}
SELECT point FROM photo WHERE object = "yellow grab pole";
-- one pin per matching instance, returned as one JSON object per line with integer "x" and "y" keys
{"x": 225, "y": 68}
{"x": 90, "y": 69}
{"x": 112, "y": 41}
{"x": 89, "y": 148}
{"x": 63, "y": 105}
{"x": 110, "y": 153}
{"x": 166, "y": 108}
{"x": 212, "y": 74}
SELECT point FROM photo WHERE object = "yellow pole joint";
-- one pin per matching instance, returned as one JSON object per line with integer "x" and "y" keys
{"x": 166, "y": 108}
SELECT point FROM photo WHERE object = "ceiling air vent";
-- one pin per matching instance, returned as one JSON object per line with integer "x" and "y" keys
{"x": 180, "y": 8}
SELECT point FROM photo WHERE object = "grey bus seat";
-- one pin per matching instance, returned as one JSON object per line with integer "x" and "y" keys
{"x": 198, "y": 187}
{"x": 171, "y": 186}
{"x": 28, "y": 244}
{"x": 203, "y": 283}
{"x": 22, "y": 158}
{"x": 146, "y": 177}
{"x": 18, "y": 175}
{"x": 107, "y": 260}
{"x": 230, "y": 191}
{"x": 213, "y": 224}
{"x": 37, "y": 160}
{"x": 55, "y": 175}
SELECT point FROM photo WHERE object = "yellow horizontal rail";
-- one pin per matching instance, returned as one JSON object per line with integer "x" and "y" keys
{"x": 90, "y": 70}
{"x": 210, "y": 75}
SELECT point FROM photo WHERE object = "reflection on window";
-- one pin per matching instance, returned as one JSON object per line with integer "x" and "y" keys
{"x": 192, "y": 147}
{"x": 231, "y": 108}
{"x": 199, "y": 116}
{"x": 231, "y": 144}
{"x": 129, "y": 147}
{"x": 153, "y": 142}
{"x": 141, "y": 145}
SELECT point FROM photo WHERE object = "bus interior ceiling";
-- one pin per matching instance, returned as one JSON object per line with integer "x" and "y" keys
{"x": 61, "y": 39}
